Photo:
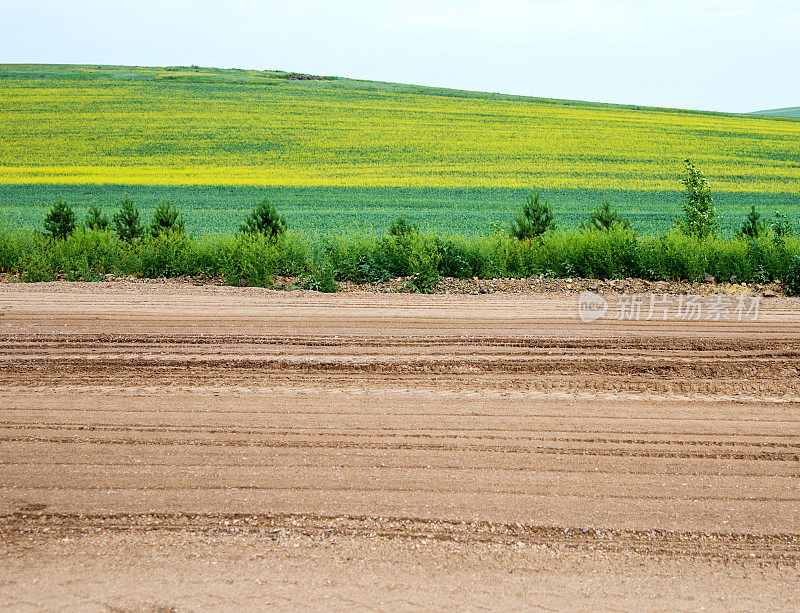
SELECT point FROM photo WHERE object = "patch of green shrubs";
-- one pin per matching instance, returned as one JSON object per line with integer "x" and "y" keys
{"x": 605, "y": 246}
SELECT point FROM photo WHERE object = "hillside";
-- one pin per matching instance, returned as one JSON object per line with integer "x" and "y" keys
{"x": 792, "y": 111}
{"x": 199, "y": 135}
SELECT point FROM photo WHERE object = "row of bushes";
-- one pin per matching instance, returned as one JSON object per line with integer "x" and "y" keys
{"x": 245, "y": 259}
{"x": 255, "y": 259}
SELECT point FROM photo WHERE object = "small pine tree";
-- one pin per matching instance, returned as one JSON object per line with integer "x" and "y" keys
{"x": 60, "y": 220}
{"x": 264, "y": 219}
{"x": 534, "y": 219}
{"x": 400, "y": 227}
{"x": 699, "y": 215}
{"x": 753, "y": 226}
{"x": 126, "y": 221}
{"x": 95, "y": 219}
{"x": 604, "y": 218}
{"x": 167, "y": 219}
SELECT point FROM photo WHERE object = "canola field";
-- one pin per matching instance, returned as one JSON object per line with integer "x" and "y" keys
{"x": 341, "y": 154}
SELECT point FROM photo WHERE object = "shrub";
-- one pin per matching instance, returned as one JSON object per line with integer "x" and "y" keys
{"x": 166, "y": 219}
{"x": 400, "y": 227}
{"x": 37, "y": 265}
{"x": 726, "y": 258}
{"x": 604, "y": 254}
{"x": 322, "y": 278}
{"x": 254, "y": 259}
{"x": 355, "y": 258}
{"x": 699, "y": 215}
{"x": 247, "y": 259}
{"x": 166, "y": 254}
{"x": 424, "y": 264}
{"x": 534, "y": 219}
{"x": 753, "y": 226}
{"x": 604, "y": 218}
{"x": 95, "y": 219}
{"x": 764, "y": 259}
{"x": 60, "y": 220}
{"x": 791, "y": 282}
{"x": 12, "y": 247}
{"x": 671, "y": 256}
{"x": 781, "y": 227}
{"x": 126, "y": 221}
{"x": 91, "y": 253}
{"x": 264, "y": 219}
{"x": 454, "y": 259}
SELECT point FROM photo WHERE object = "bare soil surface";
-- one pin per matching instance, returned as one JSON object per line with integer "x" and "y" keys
{"x": 171, "y": 447}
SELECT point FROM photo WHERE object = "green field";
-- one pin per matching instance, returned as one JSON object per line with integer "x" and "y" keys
{"x": 791, "y": 111}
{"x": 342, "y": 156}
{"x": 318, "y": 211}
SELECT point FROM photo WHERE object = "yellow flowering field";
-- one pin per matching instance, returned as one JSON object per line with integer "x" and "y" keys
{"x": 77, "y": 127}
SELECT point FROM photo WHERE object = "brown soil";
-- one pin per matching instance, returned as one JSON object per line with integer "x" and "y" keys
{"x": 176, "y": 446}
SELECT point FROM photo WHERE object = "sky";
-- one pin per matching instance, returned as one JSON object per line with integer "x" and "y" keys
{"x": 726, "y": 55}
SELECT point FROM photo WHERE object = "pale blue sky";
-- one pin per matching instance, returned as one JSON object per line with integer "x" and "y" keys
{"x": 731, "y": 55}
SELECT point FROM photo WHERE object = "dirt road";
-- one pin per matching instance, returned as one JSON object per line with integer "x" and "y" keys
{"x": 178, "y": 446}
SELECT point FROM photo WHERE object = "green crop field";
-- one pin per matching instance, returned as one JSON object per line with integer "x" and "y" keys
{"x": 792, "y": 111}
{"x": 342, "y": 156}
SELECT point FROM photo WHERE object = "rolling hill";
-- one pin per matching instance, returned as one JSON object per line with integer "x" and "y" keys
{"x": 792, "y": 111}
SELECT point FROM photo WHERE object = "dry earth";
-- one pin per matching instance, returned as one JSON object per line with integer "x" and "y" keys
{"x": 171, "y": 447}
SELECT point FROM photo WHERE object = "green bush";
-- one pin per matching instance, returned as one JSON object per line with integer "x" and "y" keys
{"x": 791, "y": 282}
{"x": 94, "y": 252}
{"x": 400, "y": 227}
{"x": 166, "y": 219}
{"x": 12, "y": 246}
{"x": 424, "y": 267}
{"x": 95, "y": 219}
{"x": 355, "y": 258}
{"x": 606, "y": 254}
{"x": 454, "y": 261}
{"x": 699, "y": 214}
{"x": 768, "y": 259}
{"x": 60, "y": 220}
{"x": 82, "y": 256}
{"x": 604, "y": 218}
{"x": 674, "y": 255}
{"x": 126, "y": 221}
{"x": 781, "y": 227}
{"x": 255, "y": 259}
{"x": 534, "y": 219}
{"x": 321, "y": 278}
{"x": 167, "y": 254}
{"x": 753, "y": 226}
{"x": 247, "y": 259}
{"x": 264, "y": 219}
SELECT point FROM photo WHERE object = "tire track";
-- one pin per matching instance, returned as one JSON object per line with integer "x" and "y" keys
{"x": 502, "y": 406}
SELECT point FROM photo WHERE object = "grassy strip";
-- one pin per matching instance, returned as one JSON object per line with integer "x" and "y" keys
{"x": 254, "y": 260}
